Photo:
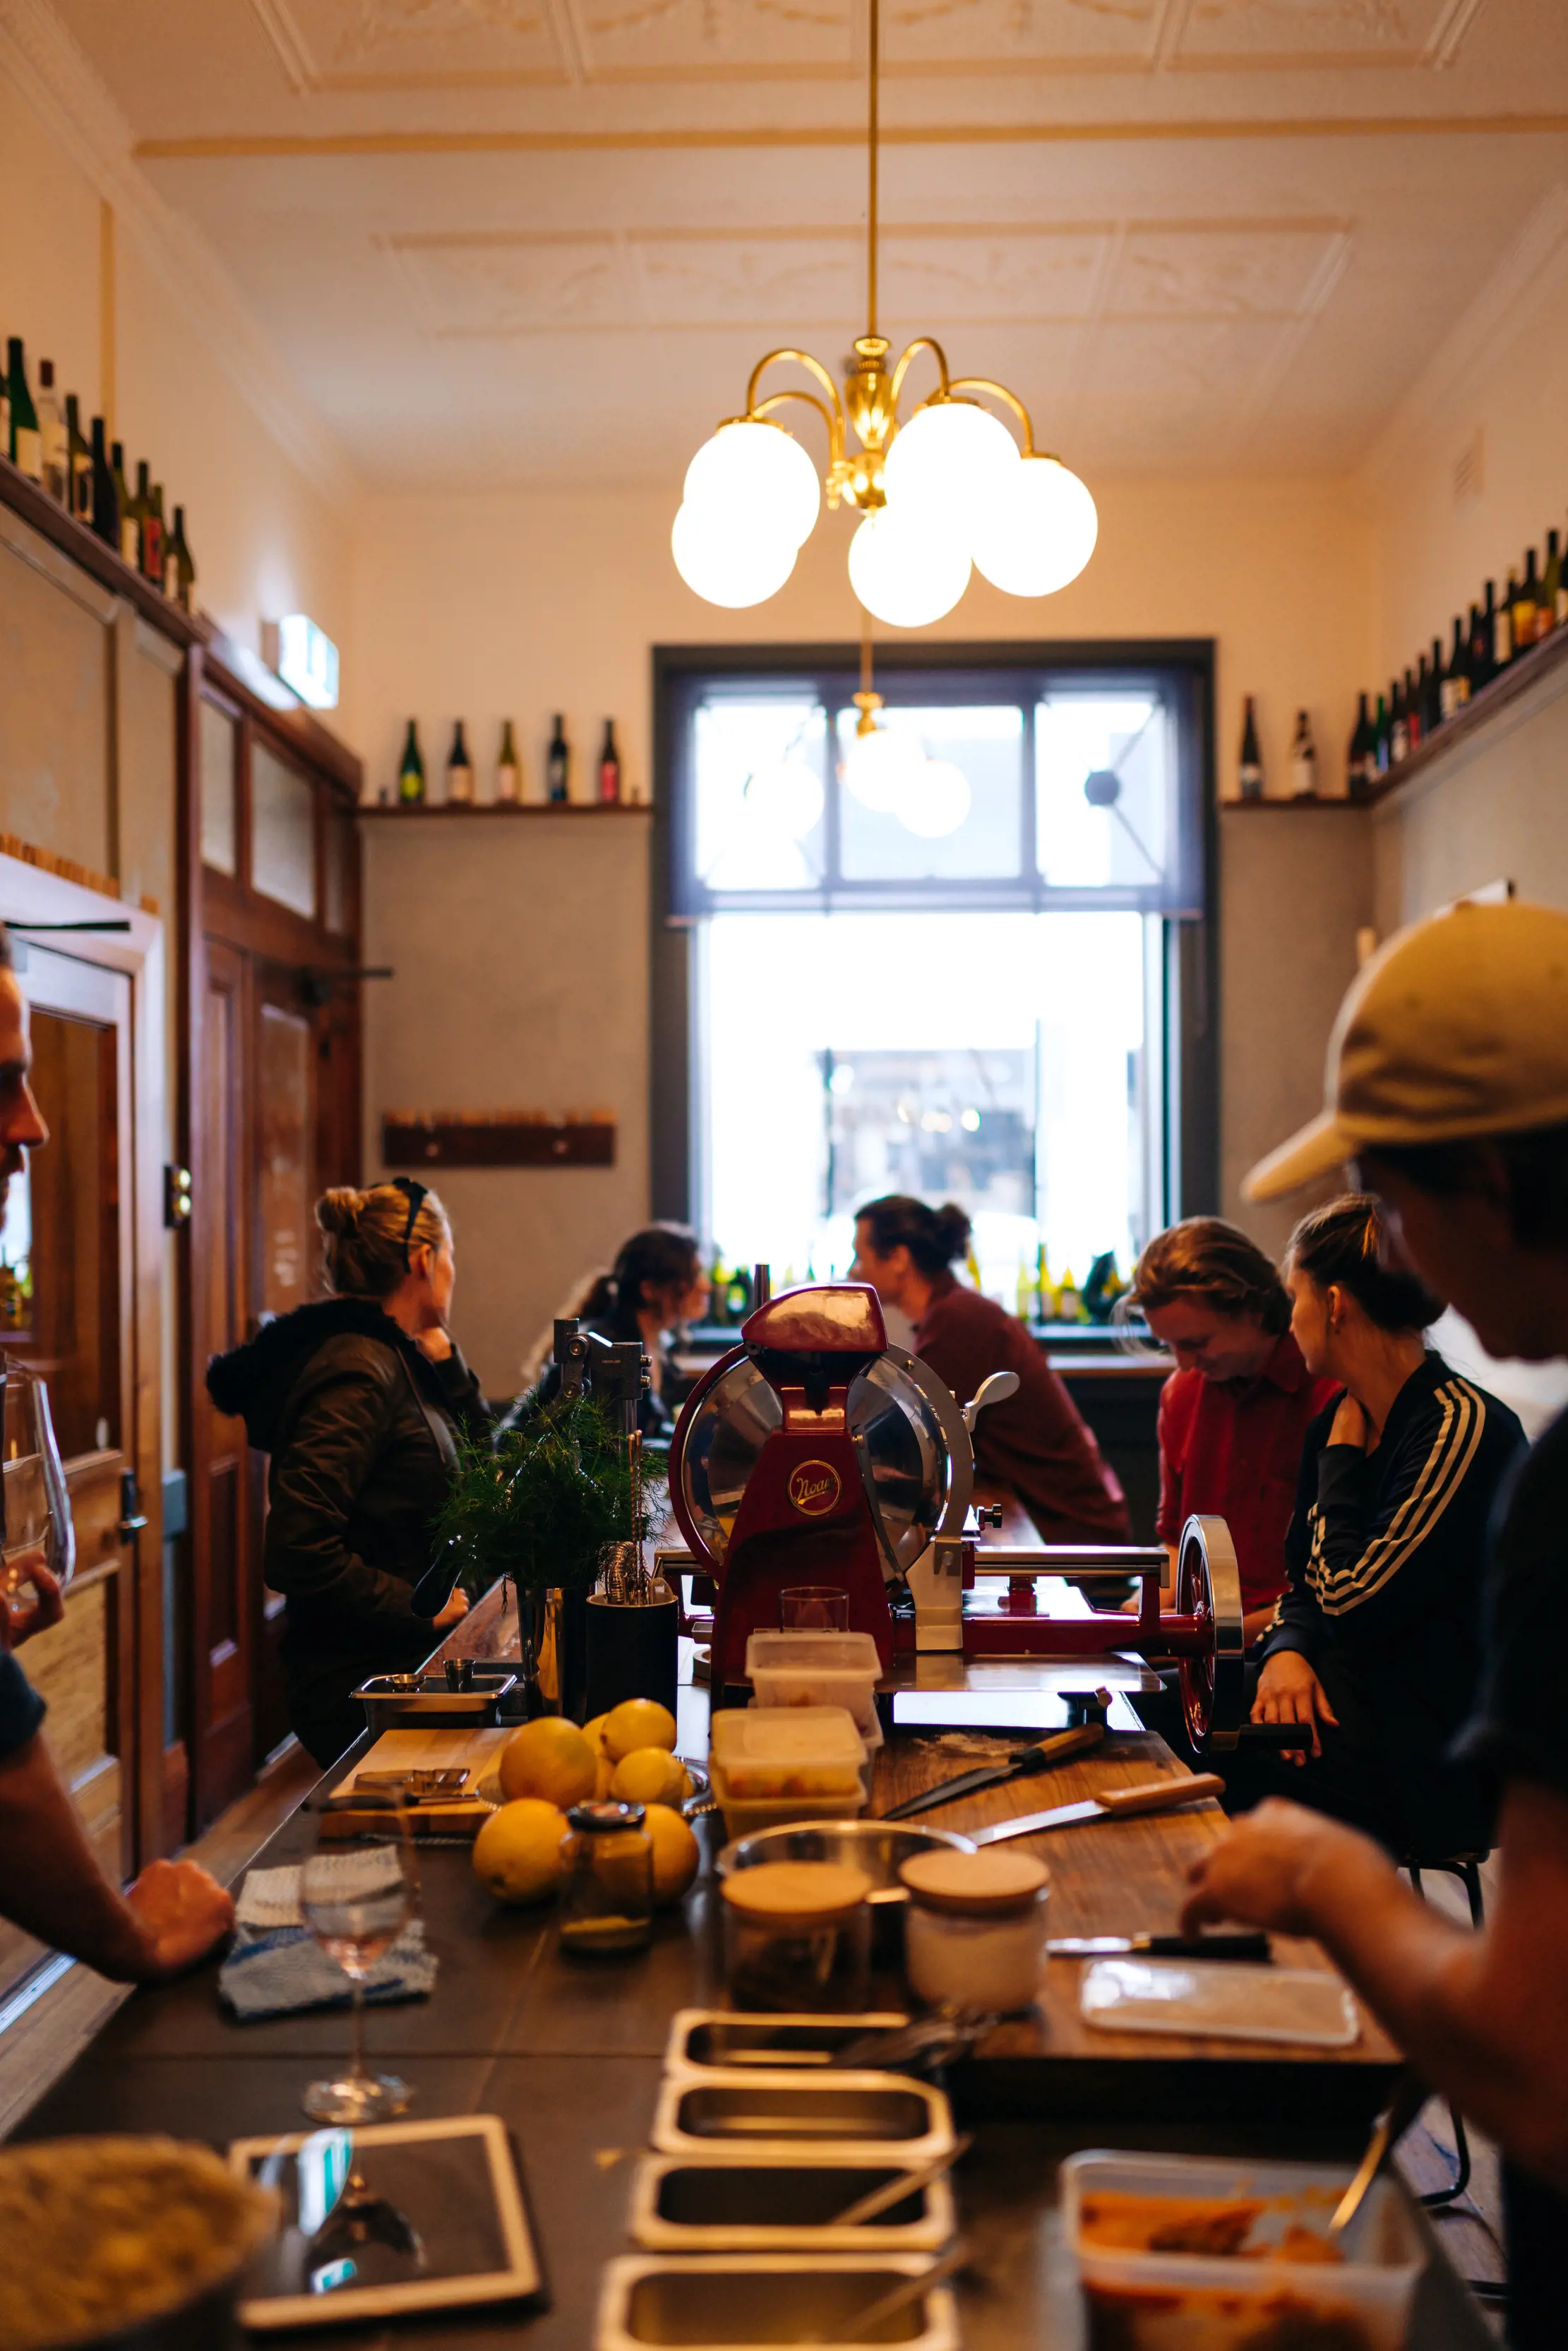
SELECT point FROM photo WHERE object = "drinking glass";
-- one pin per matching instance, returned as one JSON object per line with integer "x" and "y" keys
{"x": 356, "y": 1900}
{"x": 814, "y": 1608}
{"x": 34, "y": 1510}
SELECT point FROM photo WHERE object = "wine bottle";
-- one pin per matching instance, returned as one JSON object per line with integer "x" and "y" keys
{"x": 1251, "y": 769}
{"x": 1361, "y": 759}
{"x": 508, "y": 768}
{"x": 105, "y": 489}
{"x": 411, "y": 769}
{"x": 1416, "y": 703}
{"x": 1551, "y": 587}
{"x": 1483, "y": 642}
{"x": 1502, "y": 627}
{"x": 1432, "y": 705}
{"x": 79, "y": 458}
{"x": 150, "y": 524}
{"x": 1398, "y": 725}
{"x": 1526, "y": 609}
{"x": 129, "y": 534}
{"x": 4, "y": 414}
{"x": 1304, "y": 760}
{"x": 459, "y": 771}
{"x": 1563, "y": 592}
{"x": 25, "y": 448}
{"x": 558, "y": 763}
{"x": 54, "y": 443}
{"x": 1382, "y": 736}
{"x": 1455, "y": 689}
{"x": 179, "y": 570}
{"x": 610, "y": 767}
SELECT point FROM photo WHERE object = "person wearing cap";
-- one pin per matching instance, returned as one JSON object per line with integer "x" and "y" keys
{"x": 1447, "y": 1095}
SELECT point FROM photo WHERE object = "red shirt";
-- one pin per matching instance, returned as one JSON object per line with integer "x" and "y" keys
{"x": 1035, "y": 1443}
{"x": 1232, "y": 1449}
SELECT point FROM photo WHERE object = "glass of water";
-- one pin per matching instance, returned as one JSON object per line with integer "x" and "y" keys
{"x": 36, "y": 1513}
{"x": 356, "y": 1898}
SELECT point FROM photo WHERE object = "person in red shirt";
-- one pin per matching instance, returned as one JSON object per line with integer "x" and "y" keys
{"x": 1034, "y": 1445}
{"x": 1235, "y": 1413}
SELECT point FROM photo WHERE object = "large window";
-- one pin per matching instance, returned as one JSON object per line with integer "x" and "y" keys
{"x": 949, "y": 971}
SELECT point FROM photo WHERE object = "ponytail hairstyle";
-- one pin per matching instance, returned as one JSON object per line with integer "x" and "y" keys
{"x": 1214, "y": 1264}
{"x": 1344, "y": 1243}
{"x": 660, "y": 1257}
{"x": 933, "y": 1237}
{"x": 369, "y": 1237}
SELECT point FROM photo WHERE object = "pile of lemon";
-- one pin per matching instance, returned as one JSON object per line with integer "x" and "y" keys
{"x": 521, "y": 1853}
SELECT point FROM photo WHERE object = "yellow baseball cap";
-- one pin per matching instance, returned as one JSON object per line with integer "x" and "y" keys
{"x": 1457, "y": 1027}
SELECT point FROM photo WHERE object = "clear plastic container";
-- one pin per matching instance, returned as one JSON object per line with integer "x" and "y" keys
{"x": 1174, "y": 2301}
{"x": 810, "y": 1669}
{"x": 743, "y": 1816}
{"x": 766, "y": 1752}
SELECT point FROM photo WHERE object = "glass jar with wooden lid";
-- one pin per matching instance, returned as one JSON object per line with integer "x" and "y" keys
{"x": 797, "y": 1935}
{"x": 975, "y": 1933}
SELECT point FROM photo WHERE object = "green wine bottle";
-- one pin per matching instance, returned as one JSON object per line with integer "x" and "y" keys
{"x": 26, "y": 451}
{"x": 411, "y": 771}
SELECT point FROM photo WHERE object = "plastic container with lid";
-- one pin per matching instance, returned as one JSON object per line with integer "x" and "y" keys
{"x": 1171, "y": 2299}
{"x": 607, "y": 1900}
{"x": 814, "y": 1670}
{"x": 772, "y": 1764}
{"x": 797, "y": 1936}
{"x": 974, "y": 1935}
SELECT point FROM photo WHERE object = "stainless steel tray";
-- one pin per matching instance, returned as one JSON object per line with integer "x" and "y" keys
{"x": 721, "y": 2040}
{"x": 427, "y": 1702}
{"x": 739, "y": 2302}
{"x": 736, "y": 2115}
{"x": 781, "y": 2204}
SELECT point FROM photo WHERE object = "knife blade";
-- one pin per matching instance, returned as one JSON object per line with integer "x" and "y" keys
{"x": 1242, "y": 1946}
{"x": 1116, "y": 1803}
{"x": 1037, "y": 1758}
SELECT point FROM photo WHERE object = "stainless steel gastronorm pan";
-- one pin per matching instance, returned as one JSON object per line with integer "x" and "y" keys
{"x": 424, "y": 1702}
{"x": 704, "y": 2039}
{"x": 736, "y": 2114}
{"x": 738, "y": 2302}
{"x": 781, "y": 2204}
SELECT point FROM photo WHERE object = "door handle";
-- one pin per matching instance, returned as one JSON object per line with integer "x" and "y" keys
{"x": 132, "y": 1519}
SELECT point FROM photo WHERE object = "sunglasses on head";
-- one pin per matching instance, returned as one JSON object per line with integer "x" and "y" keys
{"x": 415, "y": 1194}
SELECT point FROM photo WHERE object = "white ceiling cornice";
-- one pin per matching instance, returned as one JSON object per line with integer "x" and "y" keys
{"x": 55, "y": 79}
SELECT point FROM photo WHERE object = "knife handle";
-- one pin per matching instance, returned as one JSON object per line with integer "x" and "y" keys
{"x": 1058, "y": 1748}
{"x": 1160, "y": 1795}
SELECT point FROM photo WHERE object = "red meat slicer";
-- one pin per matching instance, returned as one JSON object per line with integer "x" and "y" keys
{"x": 819, "y": 1452}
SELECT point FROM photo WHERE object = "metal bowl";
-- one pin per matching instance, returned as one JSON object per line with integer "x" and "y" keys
{"x": 879, "y": 1848}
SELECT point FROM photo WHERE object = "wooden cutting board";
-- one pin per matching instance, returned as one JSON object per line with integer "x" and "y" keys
{"x": 475, "y": 1752}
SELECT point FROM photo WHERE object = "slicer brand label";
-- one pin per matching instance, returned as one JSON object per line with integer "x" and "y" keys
{"x": 814, "y": 1489}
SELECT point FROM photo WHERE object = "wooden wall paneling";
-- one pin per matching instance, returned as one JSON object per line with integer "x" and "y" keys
{"x": 57, "y": 632}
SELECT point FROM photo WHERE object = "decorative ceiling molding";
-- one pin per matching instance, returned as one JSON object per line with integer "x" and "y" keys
{"x": 1320, "y": 35}
{"x": 1535, "y": 268}
{"x": 63, "y": 90}
{"x": 354, "y": 45}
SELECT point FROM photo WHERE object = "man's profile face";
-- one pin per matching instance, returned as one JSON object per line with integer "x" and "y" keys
{"x": 22, "y": 1128}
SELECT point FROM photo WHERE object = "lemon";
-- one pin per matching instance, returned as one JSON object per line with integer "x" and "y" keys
{"x": 517, "y": 1855}
{"x": 638, "y": 1723}
{"x": 647, "y": 1776}
{"x": 606, "y": 1772}
{"x": 675, "y": 1855}
{"x": 549, "y": 1758}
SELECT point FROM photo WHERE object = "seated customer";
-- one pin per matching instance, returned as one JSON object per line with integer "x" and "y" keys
{"x": 1034, "y": 1444}
{"x": 1234, "y": 1413}
{"x": 1375, "y": 1643}
{"x": 656, "y": 1284}
{"x": 358, "y": 1398}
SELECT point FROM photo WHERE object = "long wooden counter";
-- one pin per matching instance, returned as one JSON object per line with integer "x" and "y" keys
{"x": 568, "y": 2053}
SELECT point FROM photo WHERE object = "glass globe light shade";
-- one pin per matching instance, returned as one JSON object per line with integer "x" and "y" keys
{"x": 759, "y": 473}
{"x": 1040, "y": 534}
{"x": 954, "y": 456}
{"x": 907, "y": 567}
{"x": 787, "y": 797}
{"x": 938, "y": 801}
{"x": 727, "y": 563}
{"x": 881, "y": 767}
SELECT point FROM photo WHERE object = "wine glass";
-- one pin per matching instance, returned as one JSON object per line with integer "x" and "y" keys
{"x": 356, "y": 1900}
{"x": 35, "y": 1509}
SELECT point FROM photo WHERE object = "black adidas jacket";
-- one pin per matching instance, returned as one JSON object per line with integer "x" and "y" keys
{"x": 1386, "y": 1557}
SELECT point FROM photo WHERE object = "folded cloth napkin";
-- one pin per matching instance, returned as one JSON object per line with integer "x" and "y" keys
{"x": 276, "y": 1965}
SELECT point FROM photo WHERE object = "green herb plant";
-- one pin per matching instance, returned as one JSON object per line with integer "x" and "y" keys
{"x": 541, "y": 1503}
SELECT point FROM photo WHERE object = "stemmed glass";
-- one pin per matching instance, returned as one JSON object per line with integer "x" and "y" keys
{"x": 356, "y": 1900}
{"x": 34, "y": 1510}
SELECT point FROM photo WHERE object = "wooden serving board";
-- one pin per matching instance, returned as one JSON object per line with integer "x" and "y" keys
{"x": 1128, "y": 1877}
{"x": 475, "y": 1752}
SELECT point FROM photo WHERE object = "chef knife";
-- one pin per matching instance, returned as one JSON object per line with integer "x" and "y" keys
{"x": 1029, "y": 1759}
{"x": 1243, "y": 1945}
{"x": 1115, "y": 1803}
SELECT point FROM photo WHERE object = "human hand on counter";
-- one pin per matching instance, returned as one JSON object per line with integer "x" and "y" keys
{"x": 183, "y": 1913}
{"x": 455, "y": 1610}
{"x": 1349, "y": 1425}
{"x": 1270, "y": 1871}
{"x": 19, "y": 1621}
{"x": 435, "y": 1344}
{"x": 1288, "y": 1691}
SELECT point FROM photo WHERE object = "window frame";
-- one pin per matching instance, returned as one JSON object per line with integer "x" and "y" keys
{"x": 1189, "y": 1054}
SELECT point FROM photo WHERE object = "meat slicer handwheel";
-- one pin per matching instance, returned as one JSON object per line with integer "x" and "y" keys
{"x": 1209, "y": 1586}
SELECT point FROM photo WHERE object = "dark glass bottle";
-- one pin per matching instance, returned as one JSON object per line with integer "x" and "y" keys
{"x": 1551, "y": 587}
{"x": 1432, "y": 707}
{"x": 79, "y": 459}
{"x": 610, "y": 767}
{"x": 1398, "y": 725}
{"x": 459, "y": 771}
{"x": 508, "y": 768}
{"x": 1526, "y": 614}
{"x": 1250, "y": 768}
{"x": 1304, "y": 760}
{"x": 1382, "y": 738}
{"x": 105, "y": 490}
{"x": 179, "y": 570}
{"x": 1502, "y": 626}
{"x": 1416, "y": 705}
{"x": 1483, "y": 642}
{"x": 411, "y": 769}
{"x": 129, "y": 528}
{"x": 26, "y": 451}
{"x": 1361, "y": 759}
{"x": 148, "y": 527}
{"x": 1456, "y": 679}
{"x": 558, "y": 764}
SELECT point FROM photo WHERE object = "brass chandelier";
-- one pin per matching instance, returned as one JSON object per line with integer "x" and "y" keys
{"x": 947, "y": 490}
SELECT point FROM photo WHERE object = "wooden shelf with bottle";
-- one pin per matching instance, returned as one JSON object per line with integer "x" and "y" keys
{"x": 1528, "y": 670}
{"x": 467, "y": 809}
{"x": 101, "y": 561}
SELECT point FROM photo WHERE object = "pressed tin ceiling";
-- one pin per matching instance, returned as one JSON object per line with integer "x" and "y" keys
{"x": 530, "y": 240}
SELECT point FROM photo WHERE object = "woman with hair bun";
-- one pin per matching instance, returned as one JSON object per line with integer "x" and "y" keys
{"x": 1375, "y": 1643}
{"x": 1034, "y": 1445}
{"x": 358, "y": 1399}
